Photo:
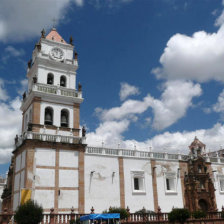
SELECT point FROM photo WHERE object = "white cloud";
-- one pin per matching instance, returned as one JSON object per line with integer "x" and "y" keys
{"x": 126, "y": 110}
{"x": 198, "y": 57}
{"x": 25, "y": 19}
{"x": 13, "y": 51}
{"x": 219, "y": 106}
{"x": 10, "y": 124}
{"x": 128, "y": 90}
{"x": 166, "y": 142}
{"x": 23, "y": 86}
{"x": 79, "y": 3}
{"x": 175, "y": 100}
{"x": 108, "y": 132}
{"x": 10, "y": 51}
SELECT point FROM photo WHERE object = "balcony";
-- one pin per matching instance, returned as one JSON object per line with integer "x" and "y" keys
{"x": 49, "y": 138}
{"x": 56, "y": 90}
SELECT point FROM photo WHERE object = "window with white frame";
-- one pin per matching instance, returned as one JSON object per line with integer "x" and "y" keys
{"x": 138, "y": 181}
{"x": 221, "y": 183}
{"x": 170, "y": 182}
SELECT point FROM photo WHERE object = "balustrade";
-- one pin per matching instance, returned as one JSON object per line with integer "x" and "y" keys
{"x": 57, "y": 90}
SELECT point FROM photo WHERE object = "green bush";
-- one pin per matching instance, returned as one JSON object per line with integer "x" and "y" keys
{"x": 222, "y": 214}
{"x": 122, "y": 211}
{"x": 198, "y": 214}
{"x": 29, "y": 213}
{"x": 144, "y": 211}
{"x": 178, "y": 215}
{"x": 77, "y": 221}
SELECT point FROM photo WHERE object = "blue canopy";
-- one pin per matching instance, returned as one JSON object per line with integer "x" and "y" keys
{"x": 100, "y": 216}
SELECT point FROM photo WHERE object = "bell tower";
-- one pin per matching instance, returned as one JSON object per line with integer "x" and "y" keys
{"x": 49, "y": 153}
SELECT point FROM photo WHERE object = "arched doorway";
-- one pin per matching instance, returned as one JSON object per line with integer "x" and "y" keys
{"x": 203, "y": 205}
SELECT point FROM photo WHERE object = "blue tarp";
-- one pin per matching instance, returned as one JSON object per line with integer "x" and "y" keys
{"x": 100, "y": 216}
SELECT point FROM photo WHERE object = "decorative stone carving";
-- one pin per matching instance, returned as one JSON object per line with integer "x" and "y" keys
{"x": 57, "y": 54}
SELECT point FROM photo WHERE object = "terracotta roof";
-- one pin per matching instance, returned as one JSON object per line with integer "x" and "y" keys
{"x": 196, "y": 143}
{"x": 55, "y": 36}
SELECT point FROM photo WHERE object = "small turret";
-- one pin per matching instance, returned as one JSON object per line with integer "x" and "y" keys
{"x": 197, "y": 148}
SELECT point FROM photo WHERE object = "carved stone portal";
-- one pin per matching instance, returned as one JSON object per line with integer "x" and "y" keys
{"x": 199, "y": 187}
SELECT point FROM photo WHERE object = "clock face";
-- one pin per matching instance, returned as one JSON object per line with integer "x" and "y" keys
{"x": 57, "y": 54}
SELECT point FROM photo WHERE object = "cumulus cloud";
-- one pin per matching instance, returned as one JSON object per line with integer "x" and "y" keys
{"x": 10, "y": 124}
{"x": 175, "y": 100}
{"x": 198, "y": 57}
{"x": 128, "y": 90}
{"x": 10, "y": 51}
{"x": 167, "y": 142}
{"x": 109, "y": 132}
{"x": 219, "y": 106}
{"x": 16, "y": 23}
{"x": 126, "y": 110}
{"x": 23, "y": 86}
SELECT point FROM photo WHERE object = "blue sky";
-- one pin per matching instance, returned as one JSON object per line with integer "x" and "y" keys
{"x": 152, "y": 70}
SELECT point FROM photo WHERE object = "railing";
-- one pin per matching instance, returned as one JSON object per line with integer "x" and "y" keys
{"x": 49, "y": 138}
{"x": 154, "y": 217}
{"x": 108, "y": 151}
{"x": 134, "y": 153}
{"x": 57, "y": 90}
{"x": 145, "y": 154}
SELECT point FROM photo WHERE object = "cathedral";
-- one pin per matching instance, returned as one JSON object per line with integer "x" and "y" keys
{"x": 53, "y": 165}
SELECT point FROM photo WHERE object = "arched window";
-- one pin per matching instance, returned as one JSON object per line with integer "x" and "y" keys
{"x": 48, "y": 118}
{"x": 50, "y": 79}
{"x": 64, "y": 118}
{"x": 63, "y": 81}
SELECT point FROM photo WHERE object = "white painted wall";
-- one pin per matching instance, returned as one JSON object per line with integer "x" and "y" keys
{"x": 136, "y": 201}
{"x": 68, "y": 158}
{"x": 16, "y": 199}
{"x": 68, "y": 199}
{"x": 57, "y": 113}
{"x": 218, "y": 194}
{"x": 168, "y": 200}
{"x": 22, "y": 179}
{"x": 102, "y": 190}
{"x": 68, "y": 178}
{"x": 44, "y": 157}
{"x": 18, "y": 162}
{"x": 45, "y": 177}
{"x": 23, "y": 157}
{"x": 44, "y": 198}
{"x": 16, "y": 182}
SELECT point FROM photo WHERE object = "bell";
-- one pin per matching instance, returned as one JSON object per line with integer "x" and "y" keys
{"x": 50, "y": 81}
{"x": 62, "y": 82}
{"x": 64, "y": 121}
{"x": 48, "y": 118}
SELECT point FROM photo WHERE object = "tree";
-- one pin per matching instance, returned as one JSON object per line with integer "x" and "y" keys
{"x": 178, "y": 215}
{"x": 199, "y": 214}
{"x": 29, "y": 213}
